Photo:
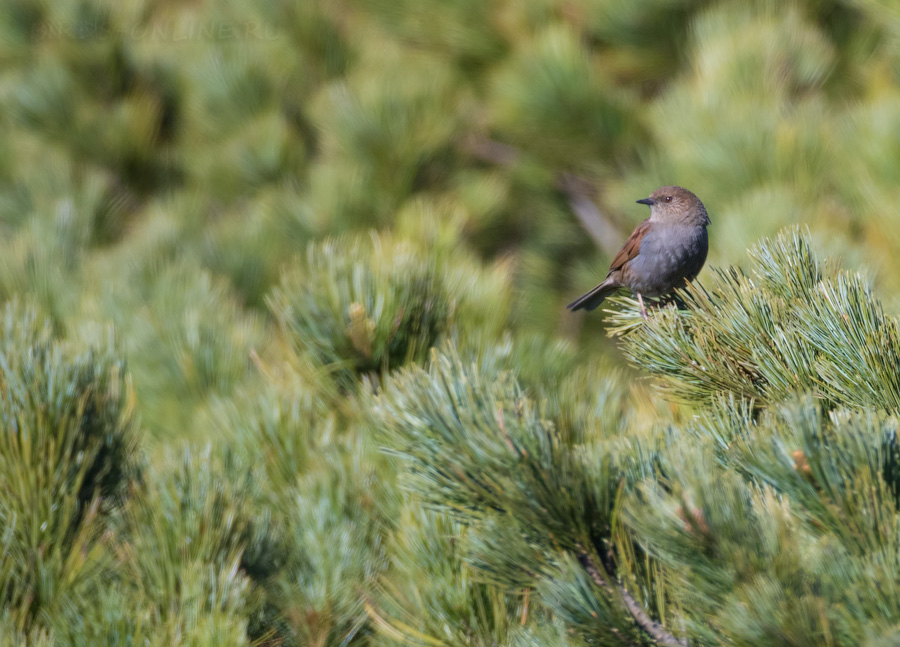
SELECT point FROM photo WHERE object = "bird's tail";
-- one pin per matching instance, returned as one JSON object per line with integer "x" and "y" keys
{"x": 593, "y": 298}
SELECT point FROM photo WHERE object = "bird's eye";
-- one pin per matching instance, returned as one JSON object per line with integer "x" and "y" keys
{"x": 668, "y": 198}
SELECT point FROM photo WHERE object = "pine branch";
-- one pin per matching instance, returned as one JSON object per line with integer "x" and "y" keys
{"x": 787, "y": 325}
{"x": 644, "y": 621}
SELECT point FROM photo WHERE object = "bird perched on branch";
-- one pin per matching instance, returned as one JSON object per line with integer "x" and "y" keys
{"x": 664, "y": 252}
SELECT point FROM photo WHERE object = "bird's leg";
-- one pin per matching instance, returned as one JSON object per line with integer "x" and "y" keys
{"x": 641, "y": 301}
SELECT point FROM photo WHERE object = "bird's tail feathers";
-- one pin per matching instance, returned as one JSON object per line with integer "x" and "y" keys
{"x": 594, "y": 298}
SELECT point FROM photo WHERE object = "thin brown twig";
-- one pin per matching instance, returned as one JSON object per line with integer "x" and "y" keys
{"x": 578, "y": 191}
{"x": 491, "y": 151}
{"x": 644, "y": 621}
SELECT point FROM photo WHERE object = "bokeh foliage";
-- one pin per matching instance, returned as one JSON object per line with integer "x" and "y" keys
{"x": 284, "y": 359}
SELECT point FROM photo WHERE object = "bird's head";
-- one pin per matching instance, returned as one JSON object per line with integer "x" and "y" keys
{"x": 675, "y": 204}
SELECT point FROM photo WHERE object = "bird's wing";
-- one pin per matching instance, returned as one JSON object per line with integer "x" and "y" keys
{"x": 631, "y": 247}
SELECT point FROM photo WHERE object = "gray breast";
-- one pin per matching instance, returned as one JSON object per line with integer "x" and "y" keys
{"x": 669, "y": 255}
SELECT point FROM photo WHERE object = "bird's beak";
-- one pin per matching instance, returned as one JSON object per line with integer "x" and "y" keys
{"x": 646, "y": 201}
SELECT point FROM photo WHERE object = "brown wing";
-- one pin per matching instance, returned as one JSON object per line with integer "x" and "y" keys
{"x": 612, "y": 282}
{"x": 631, "y": 247}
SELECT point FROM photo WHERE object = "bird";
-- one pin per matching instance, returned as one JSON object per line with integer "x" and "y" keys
{"x": 664, "y": 252}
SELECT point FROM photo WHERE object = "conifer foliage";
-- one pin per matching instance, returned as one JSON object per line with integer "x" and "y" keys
{"x": 67, "y": 458}
{"x": 771, "y": 512}
{"x": 284, "y": 359}
{"x": 769, "y": 516}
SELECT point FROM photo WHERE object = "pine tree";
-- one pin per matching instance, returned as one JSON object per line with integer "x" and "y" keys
{"x": 769, "y": 515}
{"x": 283, "y": 353}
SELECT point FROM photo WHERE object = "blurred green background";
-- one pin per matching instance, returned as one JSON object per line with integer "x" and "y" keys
{"x": 246, "y": 200}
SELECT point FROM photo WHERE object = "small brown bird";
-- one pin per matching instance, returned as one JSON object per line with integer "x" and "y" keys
{"x": 664, "y": 252}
